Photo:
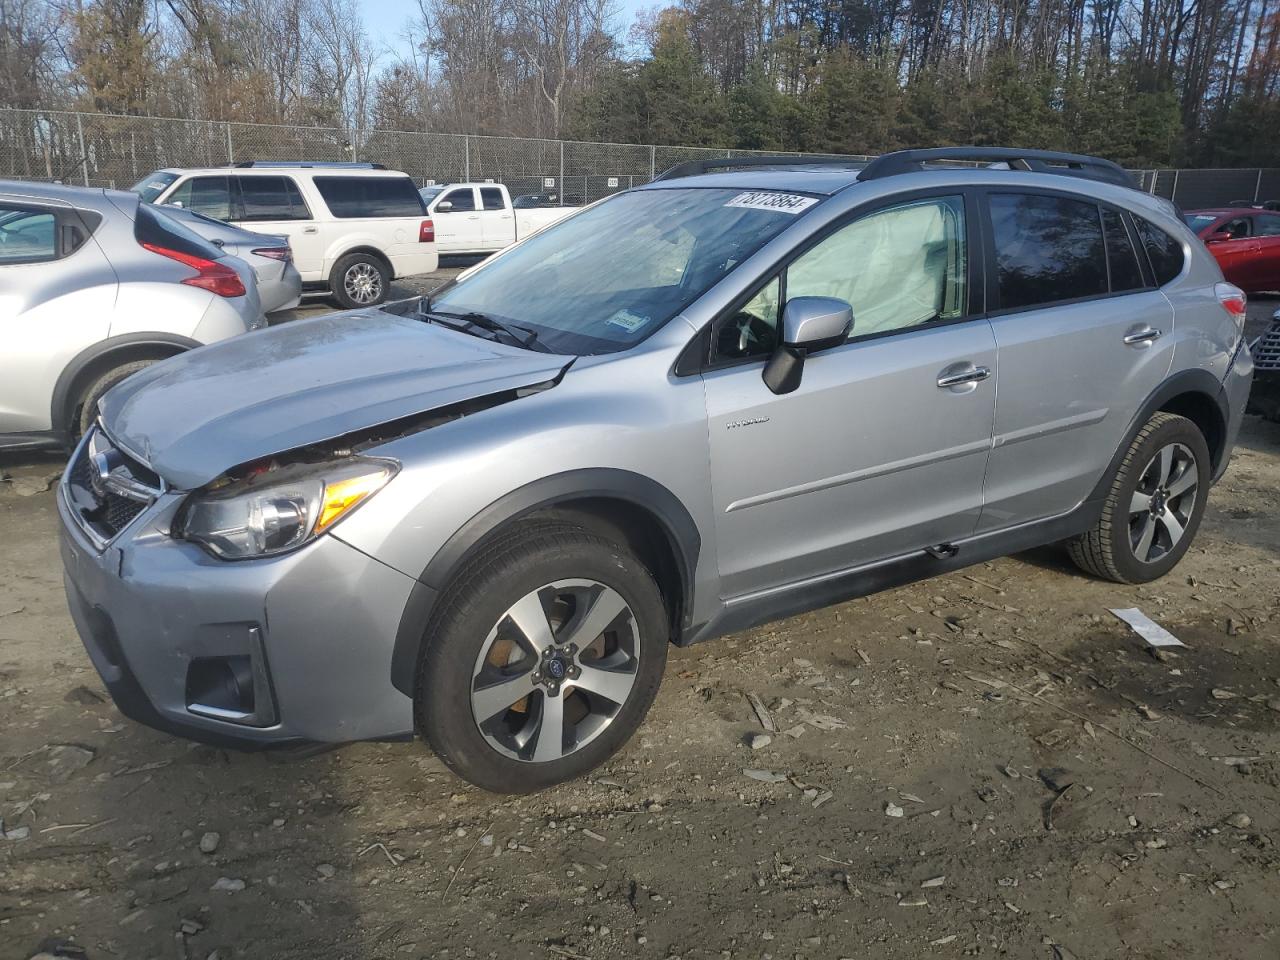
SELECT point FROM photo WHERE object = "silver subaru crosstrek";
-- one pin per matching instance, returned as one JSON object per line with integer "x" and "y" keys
{"x": 706, "y": 403}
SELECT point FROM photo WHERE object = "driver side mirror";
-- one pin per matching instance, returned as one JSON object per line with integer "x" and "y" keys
{"x": 444, "y": 206}
{"x": 809, "y": 324}
{"x": 1217, "y": 237}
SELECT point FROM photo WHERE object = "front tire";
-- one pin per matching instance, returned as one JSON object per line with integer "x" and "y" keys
{"x": 359, "y": 280}
{"x": 1154, "y": 507}
{"x": 543, "y": 660}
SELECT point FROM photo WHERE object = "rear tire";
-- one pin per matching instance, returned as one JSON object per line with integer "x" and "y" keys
{"x": 87, "y": 410}
{"x": 359, "y": 280}
{"x": 512, "y": 692}
{"x": 1154, "y": 506}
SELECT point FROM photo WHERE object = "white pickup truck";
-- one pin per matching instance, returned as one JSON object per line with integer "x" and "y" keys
{"x": 479, "y": 218}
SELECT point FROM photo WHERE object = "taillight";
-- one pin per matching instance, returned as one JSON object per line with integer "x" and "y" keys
{"x": 210, "y": 275}
{"x": 1233, "y": 301}
{"x": 427, "y": 232}
{"x": 283, "y": 254}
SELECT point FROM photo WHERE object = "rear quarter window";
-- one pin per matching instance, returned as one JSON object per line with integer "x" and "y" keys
{"x": 154, "y": 228}
{"x": 367, "y": 197}
{"x": 1164, "y": 251}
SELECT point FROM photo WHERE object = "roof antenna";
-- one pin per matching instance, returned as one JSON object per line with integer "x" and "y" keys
{"x": 72, "y": 169}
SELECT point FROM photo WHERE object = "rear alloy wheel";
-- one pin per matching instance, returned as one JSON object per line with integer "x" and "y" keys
{"x": 544, "y": 658}
{"x": 359, "y": 280}
{"x": 1154, "y": 507}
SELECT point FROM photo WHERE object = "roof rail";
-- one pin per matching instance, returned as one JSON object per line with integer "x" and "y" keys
{"x": 1037, "y": 161}
{"x": 691, "y": 168}
{"x": 339, "y": 164}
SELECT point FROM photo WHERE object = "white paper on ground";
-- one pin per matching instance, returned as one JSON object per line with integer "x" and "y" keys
{"x": 1148, "y": 629}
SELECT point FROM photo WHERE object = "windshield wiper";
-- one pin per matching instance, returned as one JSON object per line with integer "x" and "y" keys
{"x": 523, "y": 336}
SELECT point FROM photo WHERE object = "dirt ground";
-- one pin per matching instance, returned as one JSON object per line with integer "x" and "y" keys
{"x": 985, "y": 764}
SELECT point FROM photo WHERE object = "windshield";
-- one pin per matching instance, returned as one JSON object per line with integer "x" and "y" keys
{"x": 430, "y": 193}
{"x": 1198, "y": 221}
{"x": 604, "y": 279}
{"x": 152, "y": 185}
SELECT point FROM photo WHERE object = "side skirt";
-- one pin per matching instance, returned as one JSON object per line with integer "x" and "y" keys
{"x": 752, "y": 610}
{"x": 41, "y": 440}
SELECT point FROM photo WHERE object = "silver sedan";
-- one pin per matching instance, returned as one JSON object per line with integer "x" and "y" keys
{"x": 268, "y": 255}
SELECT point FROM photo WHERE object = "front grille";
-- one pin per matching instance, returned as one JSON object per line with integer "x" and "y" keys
{"x": 106, "y": 489}
{"x": 1266, "y": 352}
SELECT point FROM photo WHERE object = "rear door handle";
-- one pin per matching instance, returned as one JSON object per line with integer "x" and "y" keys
{"x": 951, "y": 377}
{"x": 1140, "y": 338}
{"x": 310, "y": 229}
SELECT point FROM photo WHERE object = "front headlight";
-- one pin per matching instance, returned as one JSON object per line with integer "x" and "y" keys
{"x": 278, "y": 510}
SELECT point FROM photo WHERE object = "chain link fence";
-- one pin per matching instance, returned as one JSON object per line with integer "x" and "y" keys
{"x": 116, "y": 151}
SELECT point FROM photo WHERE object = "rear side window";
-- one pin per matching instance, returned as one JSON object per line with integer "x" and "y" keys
{"x": 1164, "y": 252}
{"x": 210, "y": 196}
{"x": 1268, "y": 226}
{"x": 271, "y": 198}
{"x": 1122, "y": 259}
{"x": 33, "y": 234}
{"x": 1048, "y": 249}
{"x": 27, "y": 235}
{"x": 361, "y": 197}
{"x": 491, "y": 197}
{"x": 154, "y": 228}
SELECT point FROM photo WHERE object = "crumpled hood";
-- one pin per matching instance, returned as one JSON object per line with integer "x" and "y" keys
{"x": 196, "y": 415}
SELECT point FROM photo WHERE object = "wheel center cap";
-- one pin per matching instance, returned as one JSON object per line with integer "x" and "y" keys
{"x": 556, "y": 668}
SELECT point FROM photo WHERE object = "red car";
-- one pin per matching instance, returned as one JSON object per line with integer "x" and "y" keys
{"x": 1246, "y": 243}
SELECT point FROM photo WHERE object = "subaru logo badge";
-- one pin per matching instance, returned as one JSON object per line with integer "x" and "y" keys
{"x": 555, "y": 667}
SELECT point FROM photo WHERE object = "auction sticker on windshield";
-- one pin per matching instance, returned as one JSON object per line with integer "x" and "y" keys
{"x": 777, "y": 202}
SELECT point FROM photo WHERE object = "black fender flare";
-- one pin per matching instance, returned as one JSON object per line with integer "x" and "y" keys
{"x": 1197, "y": 381}
{"x": 64, "y": 388}
{"x": 560, "y": 489}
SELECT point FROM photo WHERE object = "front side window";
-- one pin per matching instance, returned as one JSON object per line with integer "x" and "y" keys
{"x": 27, "y": 235}
{"x": 604, "y": 279}
{"x": 1048, "y": 249}
{"x": 271, "y": 198}
{"x": 491, "y": 197}
{"x": 1165, "y": 252}
{"x": 900, "y": 267}
{"x": 370, "y": 197}
{"x": 461, "y": 200}
{"x": 210, "y": 196}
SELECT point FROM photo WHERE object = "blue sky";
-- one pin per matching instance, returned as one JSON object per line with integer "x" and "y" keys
{"x": 386, "y": 19}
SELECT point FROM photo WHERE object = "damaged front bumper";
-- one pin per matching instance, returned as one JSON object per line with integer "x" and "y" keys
{"x": 253, "y": 653}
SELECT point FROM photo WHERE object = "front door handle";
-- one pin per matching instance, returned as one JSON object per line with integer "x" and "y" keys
{"x": 1140, "y": 338}
{"x": 310, "y": 229}
{"x": 951, "y": 377}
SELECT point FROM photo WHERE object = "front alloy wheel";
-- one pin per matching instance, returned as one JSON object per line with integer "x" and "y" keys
{"x": 555, "y": 670}
{"x": 542, "y": 658}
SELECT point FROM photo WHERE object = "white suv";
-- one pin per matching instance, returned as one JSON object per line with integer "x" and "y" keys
{"x": 353, "y": 227}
